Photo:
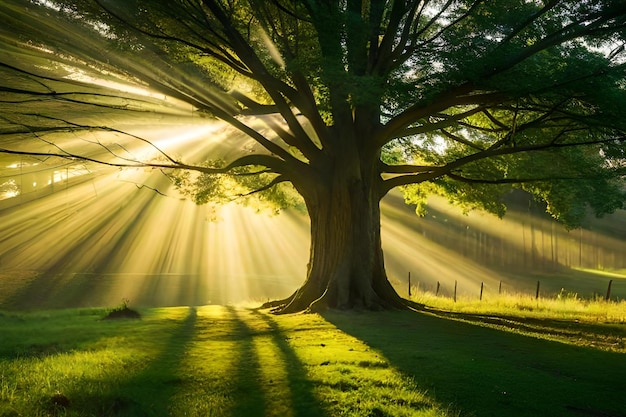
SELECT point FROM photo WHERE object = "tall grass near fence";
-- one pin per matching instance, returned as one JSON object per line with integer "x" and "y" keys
{"x": 563, "y": 306}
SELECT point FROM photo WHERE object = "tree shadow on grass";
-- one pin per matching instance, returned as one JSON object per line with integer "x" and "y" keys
{"x": 303, "y": 400}
{"x": 605, "y": 336}
{"x": 486, "y": 371}
{"x": 248, "y": 392}
{"x": 148, "y": 392}
{"x": 291, "y": 392}
{"x": 197, "y": 363}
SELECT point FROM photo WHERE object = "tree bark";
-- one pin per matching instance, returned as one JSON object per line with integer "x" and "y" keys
{"x": 346, "y": 267}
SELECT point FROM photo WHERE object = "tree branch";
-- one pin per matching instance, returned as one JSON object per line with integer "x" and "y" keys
{"x": 463, "y": 141}
{"x": 406, "y": 169}
{"x": 276, "y": 88}
{"x": 421, "y": 175}
{"x": 73, "y": 127}
{"x": 275, "y": 181}
{"x": 448, "y": 120}
{"x": 500, "y": 181}
{"x": 457, "y": 96}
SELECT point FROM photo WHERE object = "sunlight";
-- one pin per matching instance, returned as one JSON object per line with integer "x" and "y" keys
{"x": 77, "y": 235}
{"x": 102, "y": 240}
{"x": 197, "y": 141}
{"x": 207, "y": 394}
{"x": 602, "y": 273}
{"x": 9, "y": 193}
{"x": 48, "y": 4}
{"x": 107, "y": 235}
{"x": 79, "y": 75}
{"x": 276, "y": 392}
{"x": 525, "y": 234}
{"x": 225, "y": 361}
{"x": 408, "y": 250}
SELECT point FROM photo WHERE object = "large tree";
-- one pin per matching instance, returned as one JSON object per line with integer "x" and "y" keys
{"x": 346, "y": 100}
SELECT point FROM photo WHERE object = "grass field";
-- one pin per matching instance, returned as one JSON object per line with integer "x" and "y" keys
{"x": 564, "y": 306}
{"x": 233, "y": 361}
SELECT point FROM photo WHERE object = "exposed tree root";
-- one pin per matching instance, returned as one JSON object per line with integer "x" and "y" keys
{"x": 276, "y": 304}
{"x": 300, "y": 301}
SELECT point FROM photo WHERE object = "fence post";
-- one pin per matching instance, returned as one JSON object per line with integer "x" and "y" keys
{"x": 537, "y": 293}
{"x": 500, "y": 287}
{"x": 455, "y": 291}
{"x": 437, "y": 292}
{"x": 409, "y": 283}
{"x": 482, "y": 284}
{"x": 608, "y": 291}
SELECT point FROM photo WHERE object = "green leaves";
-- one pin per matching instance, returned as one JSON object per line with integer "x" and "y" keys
{"x": 248, "y": 185}
{"x": 470, "y": 97}
{"x": 579, "y": 182}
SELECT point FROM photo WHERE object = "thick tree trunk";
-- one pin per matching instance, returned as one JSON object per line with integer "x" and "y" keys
{"x": 346, "y": 268}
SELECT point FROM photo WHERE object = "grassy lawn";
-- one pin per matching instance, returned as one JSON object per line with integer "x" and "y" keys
{"x": 488, "y": 367}
{"x": 229, "y": 361}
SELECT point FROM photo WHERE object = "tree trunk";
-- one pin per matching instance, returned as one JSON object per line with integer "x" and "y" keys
{"x": 346, "y": 267}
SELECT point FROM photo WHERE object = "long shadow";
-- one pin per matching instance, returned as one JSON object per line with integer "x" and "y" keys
{"x": 305, "y": 404}
{"x": 483, "y": 371}
{"x": 598, "y": 335}
{"x": 250, "y": 388}
{"x": 159, "y": 380}
{"x": 153, "y": 388}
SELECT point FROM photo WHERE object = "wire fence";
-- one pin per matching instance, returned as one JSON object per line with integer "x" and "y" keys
{"x": 453, "y": 291}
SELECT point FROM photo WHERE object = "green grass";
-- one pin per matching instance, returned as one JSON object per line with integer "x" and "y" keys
{"x": 205, "y": 361}
{"x": 585, "y": 283}
{"x": 227, "y": 361}
{"x": 564, "y": 306}
{"x": 486, "y": 370}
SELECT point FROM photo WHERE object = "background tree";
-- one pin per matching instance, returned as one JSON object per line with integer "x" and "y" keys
{"x": 345, "y": 100}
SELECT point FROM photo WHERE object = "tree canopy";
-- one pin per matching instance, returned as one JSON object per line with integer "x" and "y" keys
{"x": 464, "y": 98}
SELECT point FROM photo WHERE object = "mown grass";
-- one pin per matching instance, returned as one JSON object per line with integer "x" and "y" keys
{"x": 495, "y": 370}
{"x": 205, "y": 361}
{"x": 227, "y": 361}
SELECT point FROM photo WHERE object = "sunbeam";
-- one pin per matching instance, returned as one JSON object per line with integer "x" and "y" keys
{"x": 85, "y": 235}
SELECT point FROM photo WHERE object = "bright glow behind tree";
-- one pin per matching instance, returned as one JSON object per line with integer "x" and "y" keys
{"x": 344, "y": 101}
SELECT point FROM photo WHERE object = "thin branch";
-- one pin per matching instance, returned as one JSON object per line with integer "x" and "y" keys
{"x": 461, "y": 140}
{"x": 262, "y": 160}
{"x": 71, "y": 126}
{"x": 448, "y": 120}
{"x": 502, "y": 181}
{"x": 525, "y": 23}
{"x": 142, "y": 186}
{"x": 457, "y": 96}
{"x": 406, "y": 169}
{"x": 275, "y": 181}
{"x": 447, "y": 27}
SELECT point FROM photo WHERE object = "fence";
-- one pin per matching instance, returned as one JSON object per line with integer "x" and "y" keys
{"x": 606, "y": 295}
